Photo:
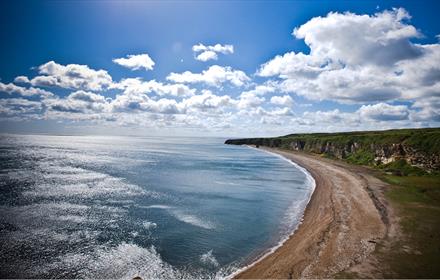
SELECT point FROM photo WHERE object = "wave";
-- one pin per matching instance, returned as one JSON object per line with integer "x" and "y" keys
{"x": 124, "y": 261}
{"x": 182, "y": 216}
{"x": 149, "y": 225}
{"x": 192, "y": 220}
{"x": 209, "y": 259}
{"x": 156, "y": 206}
{"x": 128, "y": 260}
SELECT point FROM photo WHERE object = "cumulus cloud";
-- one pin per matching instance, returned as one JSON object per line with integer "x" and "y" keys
{"x": 263, "y": 89}
{"x": 205, "y": 53}
{"x": 12, "y": 88}
{"x": 358, "y": 59}
{"x": 136, "y": 85}
{"x": 381, "y": 39}
{"x": 249, "y": 100}
{"x": 142, "y": 103}
{"x": 136, "y": 62}
{"x": 78, "y": 102}
{"x": 21, "y": 80}
{"x": 19, "y": 108}
{"x": 207, "y": 101}
{"x": 427, "y": 109}
{"x": 384, "y": 112}
{"x": 214, "y": 76}
{"x": 285, "y": 100}
{"x": 71, "y": 76}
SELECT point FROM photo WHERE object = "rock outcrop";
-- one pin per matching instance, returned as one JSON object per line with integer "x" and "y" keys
{"x": 417, "y": 147}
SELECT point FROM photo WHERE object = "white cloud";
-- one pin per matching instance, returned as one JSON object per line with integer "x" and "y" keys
{"x": 72, "y": 76}
{"x": 206, "y": 53}
{"x": 285, "y": 100}
{"x": 136, "y": 62}
{"x": 384, "y": 112}
{"x": 225, "y": 49}
{"x": 381, "y": 39}
{"x": 263, "y": 89}
{"x": 358, "y": 59}
{"x": 21, "y": 80}
{"x": 137, "y": 86}
{"x": 249, "y": 100}
{"x": 428, "y": 109}
{"x": 79, "y": 102}
{"x": 12, "y": 88}
{"x": 19, "y": 108}
{"x": 207, "y": 101}
{"x": 214, "y": 76}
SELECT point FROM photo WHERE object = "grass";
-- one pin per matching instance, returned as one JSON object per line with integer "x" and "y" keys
{"x": 402, "y": 168}
{"x": 416, "y": 254}
{"x": 361, "y": 157}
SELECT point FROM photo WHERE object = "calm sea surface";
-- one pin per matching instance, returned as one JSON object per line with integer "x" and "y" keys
{"x": 112, "y": 207}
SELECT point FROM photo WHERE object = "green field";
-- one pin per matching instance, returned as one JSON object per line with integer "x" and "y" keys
{"x": 416, "y": 253}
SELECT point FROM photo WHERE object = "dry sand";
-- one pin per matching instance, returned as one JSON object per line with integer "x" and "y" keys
{"x": 344, "y": 219}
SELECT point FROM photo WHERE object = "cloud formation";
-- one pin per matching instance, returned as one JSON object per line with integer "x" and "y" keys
{"x": 205, "y": 53}
{"x": 358, "y": 59}
{"x": 384, "y": 112}
{"x": 137, "y": 86}
{"x": 12, "y": 88}
{"x": 214, "y": 76}
{"x": 136, "y": 62}
{"x": 71, "y": 76}
{"x": 285, "y": 100}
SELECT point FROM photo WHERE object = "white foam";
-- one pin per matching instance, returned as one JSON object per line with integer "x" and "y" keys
{"x": 182, "y": 216}
{"x": 192, "y": 220}
{"x": 209, "y": 259}
{"x": 124, "y": 261}
{"x": 149, "y": 225}
{"x": 226, "y": 183}
{"x": 157, "y": 206}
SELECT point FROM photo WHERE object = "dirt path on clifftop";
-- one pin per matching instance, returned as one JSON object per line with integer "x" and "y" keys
{"x": 345, "y": 218}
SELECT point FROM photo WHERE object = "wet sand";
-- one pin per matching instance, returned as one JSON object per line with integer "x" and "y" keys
{"x": 345, "y": 218}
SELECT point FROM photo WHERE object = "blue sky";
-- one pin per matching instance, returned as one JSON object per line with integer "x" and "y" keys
{"x": 320, "y": 92}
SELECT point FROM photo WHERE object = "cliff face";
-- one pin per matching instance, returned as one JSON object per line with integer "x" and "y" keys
{"x": 416, "y": 147}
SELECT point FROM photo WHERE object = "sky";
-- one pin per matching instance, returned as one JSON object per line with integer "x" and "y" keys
{"x": 226, "y": 68}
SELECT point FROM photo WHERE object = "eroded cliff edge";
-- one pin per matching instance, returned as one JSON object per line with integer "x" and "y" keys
{"x": 399, "y": 151}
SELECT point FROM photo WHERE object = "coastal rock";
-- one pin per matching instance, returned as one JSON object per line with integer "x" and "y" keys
{"x": 417, "y": 147}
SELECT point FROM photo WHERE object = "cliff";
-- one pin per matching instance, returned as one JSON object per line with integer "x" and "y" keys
{"x": 403, "y": 151}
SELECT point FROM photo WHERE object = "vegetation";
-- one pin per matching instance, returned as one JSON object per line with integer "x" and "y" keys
{"x": 417, "y": 147}
{"x": 417, "y": 200}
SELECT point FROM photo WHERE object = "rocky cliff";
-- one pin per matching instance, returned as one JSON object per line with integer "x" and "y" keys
{"x": 419, "y": 148}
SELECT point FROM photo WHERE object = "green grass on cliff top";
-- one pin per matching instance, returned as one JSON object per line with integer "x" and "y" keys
{"x": 424, "y": 139}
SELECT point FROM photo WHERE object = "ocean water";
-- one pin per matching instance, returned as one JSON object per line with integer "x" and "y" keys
{"x": 119, "y": 207}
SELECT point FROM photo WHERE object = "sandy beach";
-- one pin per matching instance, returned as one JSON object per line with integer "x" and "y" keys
{"x": 345, "y": 218}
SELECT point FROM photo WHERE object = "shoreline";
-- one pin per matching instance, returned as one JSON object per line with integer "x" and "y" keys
{"x": 284, "y": 238}
{"x": 332, "y": 235}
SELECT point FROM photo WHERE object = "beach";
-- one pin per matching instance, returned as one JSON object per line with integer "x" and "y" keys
{"x": 346, "y": 216}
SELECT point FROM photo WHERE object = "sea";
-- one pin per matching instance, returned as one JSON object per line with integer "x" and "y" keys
{"x": 153, "y": 207}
